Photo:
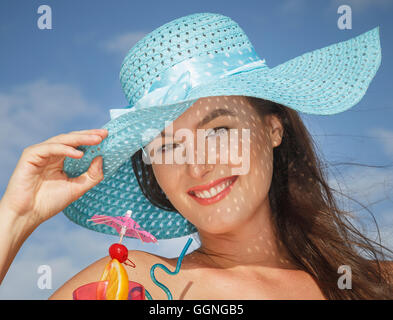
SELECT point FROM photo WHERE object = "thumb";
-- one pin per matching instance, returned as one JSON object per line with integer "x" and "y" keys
{"x": 89, "y": 179}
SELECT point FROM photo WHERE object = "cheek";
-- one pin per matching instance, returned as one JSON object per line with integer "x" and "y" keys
{"x": 170, "y": 179}
{"x": 251, "y": 190}
{"x": 167, "y": 177}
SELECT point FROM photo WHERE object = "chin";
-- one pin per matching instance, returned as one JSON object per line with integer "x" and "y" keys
{"x": 217, "y": 225}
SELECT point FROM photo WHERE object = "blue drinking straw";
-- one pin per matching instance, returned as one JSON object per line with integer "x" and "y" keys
{"x": 160, "y": 265}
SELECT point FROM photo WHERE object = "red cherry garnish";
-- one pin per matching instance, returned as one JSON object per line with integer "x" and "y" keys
{"x": 119, "y": 252}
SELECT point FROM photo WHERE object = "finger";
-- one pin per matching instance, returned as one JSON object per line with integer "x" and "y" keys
{"x": 100, "y": 132}
{"x": 76, "y": 139}
{"x": 103, "y": 133}
{"x": 38, "y": 154}
{"x": 89, "y": 179}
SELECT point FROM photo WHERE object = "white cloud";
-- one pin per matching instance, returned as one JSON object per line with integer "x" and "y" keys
{"x": 365, "y": 183}
{"x": 33, "y": 112}
{"x": 385, "y": 138}
{"x": 372, "y": 187}
{"x": 122, "y": 43}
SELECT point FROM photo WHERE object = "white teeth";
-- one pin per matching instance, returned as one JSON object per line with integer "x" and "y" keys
{"x": 212, "y": 191}
{"x": 206, "y": 194}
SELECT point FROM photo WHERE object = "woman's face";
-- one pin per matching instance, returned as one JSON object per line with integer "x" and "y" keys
{"x": 240, "y": 187}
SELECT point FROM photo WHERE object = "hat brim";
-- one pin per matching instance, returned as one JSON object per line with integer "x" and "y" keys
{"x": 324, "y": 81}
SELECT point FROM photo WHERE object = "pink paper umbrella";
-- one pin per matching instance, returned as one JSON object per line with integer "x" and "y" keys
{"x": 124, "y": 225}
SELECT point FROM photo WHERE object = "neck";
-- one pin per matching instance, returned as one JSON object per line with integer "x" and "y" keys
{"x": 254, "y": 243}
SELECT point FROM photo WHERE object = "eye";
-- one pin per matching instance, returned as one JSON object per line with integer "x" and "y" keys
{"x": 221, "y": 130}
{"x": 164, "y": 147}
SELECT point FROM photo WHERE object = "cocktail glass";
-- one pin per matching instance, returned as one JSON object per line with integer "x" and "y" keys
{"x": 89, "y": 291}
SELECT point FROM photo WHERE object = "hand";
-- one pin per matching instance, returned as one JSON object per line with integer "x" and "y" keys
{"x": 39, "y": 189}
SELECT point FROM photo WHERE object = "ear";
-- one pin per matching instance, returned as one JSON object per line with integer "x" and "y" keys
{"x": 275, "y": 129}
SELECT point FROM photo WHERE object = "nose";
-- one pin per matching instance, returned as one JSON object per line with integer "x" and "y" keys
{"x": 199, "y": 171}
{"x": 200, "y": 167}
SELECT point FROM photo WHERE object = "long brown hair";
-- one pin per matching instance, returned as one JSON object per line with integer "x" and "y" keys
{"x": 318, "y": 235}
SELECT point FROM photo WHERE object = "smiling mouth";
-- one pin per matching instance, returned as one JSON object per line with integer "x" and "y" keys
{"x": 213, "y": 192}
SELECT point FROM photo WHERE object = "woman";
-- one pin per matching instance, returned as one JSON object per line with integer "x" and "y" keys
{"x": 275, "y": 232}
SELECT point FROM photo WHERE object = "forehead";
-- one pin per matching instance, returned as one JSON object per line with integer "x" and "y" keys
{"x": 230, "y": 106}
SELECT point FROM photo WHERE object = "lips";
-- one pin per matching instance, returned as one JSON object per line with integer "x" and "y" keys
{"x": 219, "y": 196}
{"x": 210, "y": 185}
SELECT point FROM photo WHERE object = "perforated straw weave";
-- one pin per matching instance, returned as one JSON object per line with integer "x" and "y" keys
{"x": 203, "y": 55}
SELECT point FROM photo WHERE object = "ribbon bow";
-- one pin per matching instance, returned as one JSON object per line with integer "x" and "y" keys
{"x": 175, "y": 83}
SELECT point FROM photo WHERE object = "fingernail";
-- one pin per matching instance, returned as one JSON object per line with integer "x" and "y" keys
{"x": 104, "y": 131}
{"x": 97, "y": 137}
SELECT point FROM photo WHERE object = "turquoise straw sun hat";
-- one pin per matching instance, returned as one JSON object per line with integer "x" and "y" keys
{"x": 197, "y": 56}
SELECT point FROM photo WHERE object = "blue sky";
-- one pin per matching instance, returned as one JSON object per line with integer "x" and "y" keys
{"x": 66, "y": 79}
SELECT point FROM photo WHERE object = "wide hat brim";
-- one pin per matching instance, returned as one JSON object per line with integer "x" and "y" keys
{"x": 324, "y": 81}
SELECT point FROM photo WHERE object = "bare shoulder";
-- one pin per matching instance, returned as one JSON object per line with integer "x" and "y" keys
{"x": 91, "y": 273}
{"x": 141, "y": 274}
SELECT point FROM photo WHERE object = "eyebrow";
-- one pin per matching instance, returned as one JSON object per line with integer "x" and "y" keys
{"x": 211, "y": 116}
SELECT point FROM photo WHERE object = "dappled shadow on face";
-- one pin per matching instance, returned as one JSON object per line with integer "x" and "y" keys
{"x": 245, "y": 209}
